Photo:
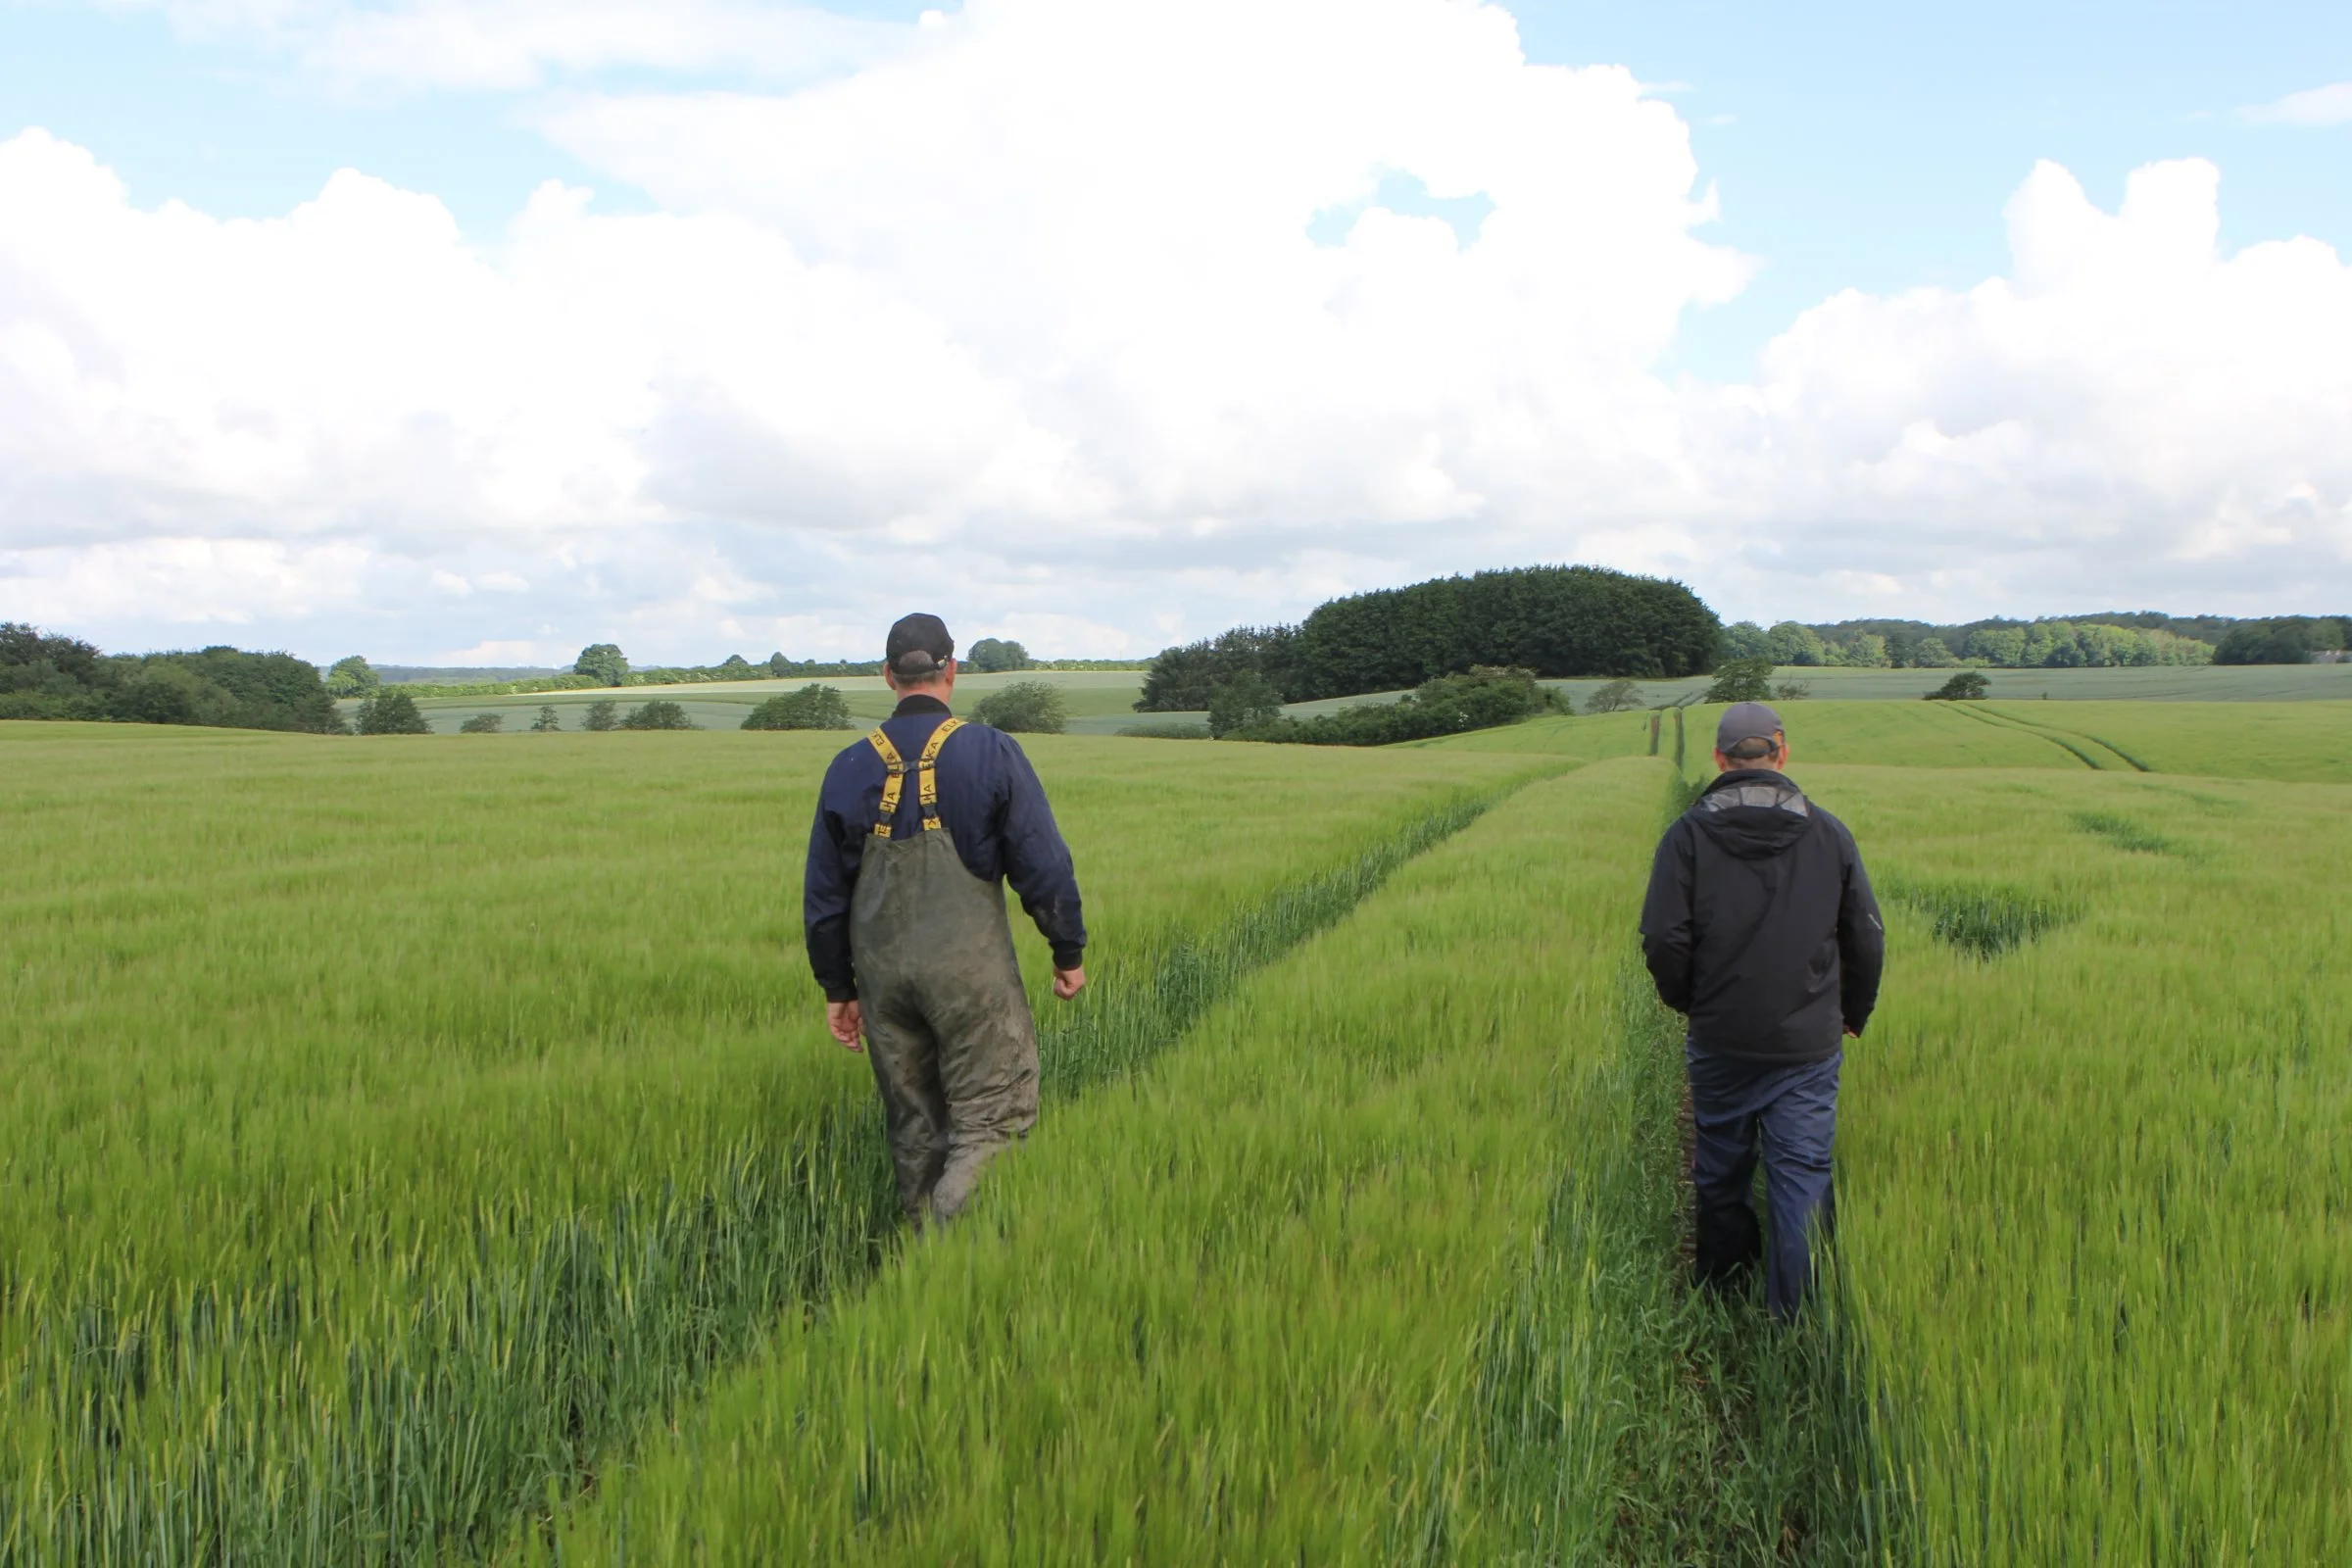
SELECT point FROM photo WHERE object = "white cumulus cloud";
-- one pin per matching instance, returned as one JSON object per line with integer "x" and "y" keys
{"x": 1021, "y": 319}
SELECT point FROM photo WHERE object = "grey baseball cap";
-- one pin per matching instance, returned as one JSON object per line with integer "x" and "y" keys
{"x": 919, "y": 647}
{"x": 1745, "y": 721}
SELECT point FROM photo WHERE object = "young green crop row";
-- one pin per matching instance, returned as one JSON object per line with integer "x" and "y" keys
{"x": 389, "y": 1132}
{"x": 2093, "y": 1209}
{"x": 351, "y": 1218}
{"x": 1293, "y": 1296}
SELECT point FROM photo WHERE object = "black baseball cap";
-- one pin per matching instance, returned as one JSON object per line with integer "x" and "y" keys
{"x": 919, "y": 647}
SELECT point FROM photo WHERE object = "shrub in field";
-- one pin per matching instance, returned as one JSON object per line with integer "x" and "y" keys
{"x": 813, "y": 706}
{"x": 1740, "y": 680}
{"x": 483, "y": 724}
{"x": 1167, "y": 732}
{"x": 1248, "y": 699}
{"x": 1792, "y": 691}
{"x": 1026, "y": 706}
{"x": 392, "y": 713}
{"x": 1450, "y": 704}
{"x": 603, "y": 714}
{"x": 1967, "y": 686}
{"x": 1613, "y": 697}
{"x": 660, "y": 713}
{"x": 547, "y": 721}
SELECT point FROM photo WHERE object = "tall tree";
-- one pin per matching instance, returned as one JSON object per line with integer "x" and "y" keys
{"x": 602, "y": 662}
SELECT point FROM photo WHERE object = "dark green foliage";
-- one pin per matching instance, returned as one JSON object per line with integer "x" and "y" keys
{"x": 1982, "y": 922}
{"x": 991, "y": 657}
{"x": 1967, "y": 686}
{"x": 392, "y": 712}
{"x": 1554, "y": 620}
{"x": 1744, "y": 639}
{"x": 660, "y": 713}
{"x": 54, "y": 677}
{"x": 1028, "y": 706}
{"x": 352, "y": 677}
{"x": 603, "y": 714}
{"x": 1169, "y": 730}
{"x": 1792, "y": 691}
{"x": 736, "y": 667}
{"x": 483, "y": 724}
{"x": 547, "y": 721}
{"x": 1450, "y": 704}
{"x": 2124, "y": 833}
{"x": 2288, "y": 640}
{"x": 813, "y": 706}
{"x": 63, "y": 677}
{"x": 1243, "y": 702}
{"x": 602, "y": 662}
{"x": 1181, "y": 679}
{"x": 1742, "y": 680}
{"x": 1613, "y": 697}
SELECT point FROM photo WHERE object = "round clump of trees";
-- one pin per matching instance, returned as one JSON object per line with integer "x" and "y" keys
{"x": 813, "y": 706}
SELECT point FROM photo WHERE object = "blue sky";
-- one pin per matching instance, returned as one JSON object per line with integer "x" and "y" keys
{"x": 1851, "y": 145}
{"x": 1013, "y": 301}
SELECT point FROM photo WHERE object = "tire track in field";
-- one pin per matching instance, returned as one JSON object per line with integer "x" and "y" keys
{"x": 1726, "y": 1440}
{"x": 489, "y": 1397}
{"x": 2018, "y": 727}
{"x": 2076, "y": 734}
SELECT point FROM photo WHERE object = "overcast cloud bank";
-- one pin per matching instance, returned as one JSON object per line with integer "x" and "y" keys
{"x": 1017, "y": 315}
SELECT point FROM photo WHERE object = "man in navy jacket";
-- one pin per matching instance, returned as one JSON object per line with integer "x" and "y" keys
{"x": 918, "y": 828}
{"x": 1760, "y": 926}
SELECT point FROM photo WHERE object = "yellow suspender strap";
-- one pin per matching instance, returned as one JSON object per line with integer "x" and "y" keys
{"x": 926, "y": 778}
{"x": 895, "y": 775}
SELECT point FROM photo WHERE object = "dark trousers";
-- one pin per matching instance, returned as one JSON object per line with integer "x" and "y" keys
{"x": 1790, "y": 1114}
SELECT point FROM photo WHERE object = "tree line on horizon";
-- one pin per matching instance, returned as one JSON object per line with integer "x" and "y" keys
{"x": 44, "y": 677}
{"x": 2053, "y": 642}
{"x": 1566, "y": 622}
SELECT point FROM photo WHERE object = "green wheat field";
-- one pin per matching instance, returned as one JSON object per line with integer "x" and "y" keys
{"x": 429, "y": 1151}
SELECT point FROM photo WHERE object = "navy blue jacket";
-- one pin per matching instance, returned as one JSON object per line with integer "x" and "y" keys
{"x": 992, "y": 806}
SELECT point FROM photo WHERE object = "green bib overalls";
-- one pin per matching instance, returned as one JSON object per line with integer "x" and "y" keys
{"x": 947, "y": 1025}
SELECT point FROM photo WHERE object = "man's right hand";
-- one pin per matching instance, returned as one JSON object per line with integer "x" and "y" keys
{"x": 1068, "y": 983}
{"x": 846, "y": 1020}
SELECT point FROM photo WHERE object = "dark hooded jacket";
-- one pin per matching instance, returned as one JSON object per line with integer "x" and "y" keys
{"x": 1760, "y": 924}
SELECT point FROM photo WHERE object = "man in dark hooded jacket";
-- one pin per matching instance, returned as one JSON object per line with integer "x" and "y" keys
{"x": 1760, "y": 927}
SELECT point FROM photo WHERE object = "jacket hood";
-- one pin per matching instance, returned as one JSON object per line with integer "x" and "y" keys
{"x": 1752, "y": 812}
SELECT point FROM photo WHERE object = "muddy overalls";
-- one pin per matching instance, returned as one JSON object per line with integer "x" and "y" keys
{"x": 946, "y": 1024}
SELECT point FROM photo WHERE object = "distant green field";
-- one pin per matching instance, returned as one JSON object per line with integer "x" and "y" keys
{"x": 1103, "y": 702}
{"x": 2207, "y": 683}
{"x": 2307, "y": 742}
